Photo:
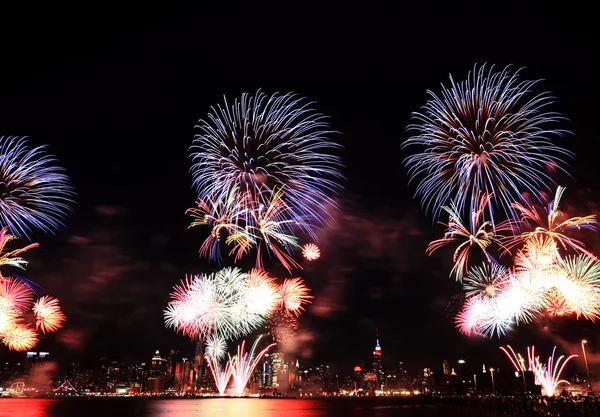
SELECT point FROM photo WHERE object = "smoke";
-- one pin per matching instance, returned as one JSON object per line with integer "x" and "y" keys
{"x": 106, "y": 283}
{"x": 372, "y": 274}
{"x": 42, "y": 374}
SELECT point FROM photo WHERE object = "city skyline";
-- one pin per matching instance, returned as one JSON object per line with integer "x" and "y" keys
{"x": 118, "y": 108}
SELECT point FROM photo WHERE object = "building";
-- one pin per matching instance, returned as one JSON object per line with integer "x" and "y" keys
{"x": 279, "y": 372}
{"x": 157, "y": 376}
{"x": 183, "y": 375}
{"x": 446, "y": 367}
{"x": 359, "y": 378}
{"x": 377, "y": 363}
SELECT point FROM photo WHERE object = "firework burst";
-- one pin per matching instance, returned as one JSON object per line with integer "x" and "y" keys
{"x": 311, "y": 252}
{"x": 486, "y": 135}
{"x": 293, "y": 294}
{"x": 48, "y": 314}
{"x": 282, "y": 326}
{"x": 266, "y": 143}
{"x": 19, "y": 337}
{"x": 477, "y": 234}
{"x": 215, "y": 347}
{"x": 552, "y": 226}
{"x": 34, "y": 192}
{"x": 218, "y": 304}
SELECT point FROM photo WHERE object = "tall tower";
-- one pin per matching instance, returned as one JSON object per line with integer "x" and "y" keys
{"x": 377, "y": 361}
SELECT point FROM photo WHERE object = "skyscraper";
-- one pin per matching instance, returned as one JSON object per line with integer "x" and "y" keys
{"x": 378, "y": 361}
{"x": 446, "y": 367}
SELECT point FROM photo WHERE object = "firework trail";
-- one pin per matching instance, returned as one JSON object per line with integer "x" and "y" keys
{"x": 220, "y": 375}
{"x": 311, "y": 252}
{"x": 243, "y": 364}
{"x": 215, "y": 351}
{"x": 34, "y": 192}
{"x": 549, "y": 374}
{"x": 486, "y": 135}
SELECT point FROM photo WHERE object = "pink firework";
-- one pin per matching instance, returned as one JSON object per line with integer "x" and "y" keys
{"x": 15, "y": 295}
{"x": 293, "y": 294}
{"x": 48, "y": 315}
{"x": 311, "y": 252}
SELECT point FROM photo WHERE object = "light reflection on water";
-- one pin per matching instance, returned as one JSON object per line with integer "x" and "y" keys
{"x": 210, "y": 407}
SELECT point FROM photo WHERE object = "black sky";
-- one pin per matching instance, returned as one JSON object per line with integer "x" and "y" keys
{"x": 116, "y": 92}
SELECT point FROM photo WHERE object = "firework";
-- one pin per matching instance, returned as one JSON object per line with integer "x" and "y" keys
{"x": 243, "y": 364}
{"x": 215, "y": 347}
{"x": 272, "y": 229}
{"x": 552, "y": 225}
{"x": 19, "y": 337}
{"x": 14, "y": 295}
{"x": 222, "y": 216}
{"x": 35, "y": 193}
{"x": 216, "y": 304}
{"x": 248, "y": 226}
{"x": 477, "y": 234}
{"x": 48, "y": 314}
{"x": 578, "y": 290}
{"x": 549, "y": 374}
{"x": 486, "y": 135}
{"x": 293, "y": 294}
{"x": 311, "y": 252}
{"x": 220, "y": 375}
{"x": 264, "y": 143}
{"x": 454, "y": 307}
{"x": 11, "y": 258}
{"x": 486, "y": 280}
{"x": 282, "y": 326}
{"x": 260, "y": 292}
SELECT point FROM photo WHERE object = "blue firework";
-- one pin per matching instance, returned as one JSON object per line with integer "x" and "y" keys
{"x": 262, "y": 145}
{"x": 35, "y": 193}
{"x": 486, "y": 135}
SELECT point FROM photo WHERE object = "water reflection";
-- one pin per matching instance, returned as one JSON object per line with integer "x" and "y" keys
{"x": 209, "y": 407}
{"x": 23, "y": 407}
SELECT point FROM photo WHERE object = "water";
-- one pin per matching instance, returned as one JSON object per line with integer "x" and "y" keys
{"x": 216, "y": 407}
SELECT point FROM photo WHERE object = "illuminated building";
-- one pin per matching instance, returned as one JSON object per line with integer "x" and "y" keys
{"x": 183, "y": 375}
{"x": 445, "y": 367}
{"x": 279, "y": 369}
{"x": 198, "y": 362}
{"x": 358, "y": 377}
{"x": 171, "y": 361}
{"x": 378, "y": 361}
{"x": 371, "y": 382}
{"x": 156, "y": 380}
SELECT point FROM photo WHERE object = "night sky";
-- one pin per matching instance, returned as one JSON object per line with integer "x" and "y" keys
{"x": 115, "y": 93}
